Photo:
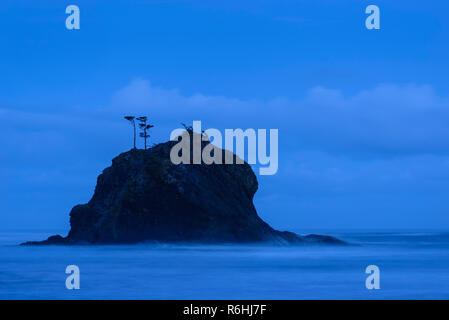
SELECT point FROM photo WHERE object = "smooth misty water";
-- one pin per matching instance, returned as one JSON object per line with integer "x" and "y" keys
{"x": 413, "y": 266}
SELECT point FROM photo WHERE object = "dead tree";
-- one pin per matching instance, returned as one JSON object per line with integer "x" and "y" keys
{"x": 133, "y": 122}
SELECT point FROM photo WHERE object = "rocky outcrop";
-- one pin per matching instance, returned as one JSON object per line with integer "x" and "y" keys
{"x": 142, "y": 196}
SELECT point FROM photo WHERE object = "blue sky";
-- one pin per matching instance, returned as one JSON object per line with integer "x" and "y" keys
{"x": 363, "y": 116}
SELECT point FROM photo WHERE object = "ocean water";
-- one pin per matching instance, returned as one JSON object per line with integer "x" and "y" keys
{"x": 413, "y": 265}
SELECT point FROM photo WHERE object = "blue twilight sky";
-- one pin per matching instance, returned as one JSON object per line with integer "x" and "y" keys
{"x": 363, "y": 116}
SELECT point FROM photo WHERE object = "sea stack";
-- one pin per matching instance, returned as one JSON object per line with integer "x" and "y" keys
{"x": 144, "y": 197}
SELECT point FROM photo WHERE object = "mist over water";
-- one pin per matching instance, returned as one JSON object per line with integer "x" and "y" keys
{"x": 413, "y": 265}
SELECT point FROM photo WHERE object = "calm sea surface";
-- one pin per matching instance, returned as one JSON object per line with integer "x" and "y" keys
{"x": 413, "y": 265}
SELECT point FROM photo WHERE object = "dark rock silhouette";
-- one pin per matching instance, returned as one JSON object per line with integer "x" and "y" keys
{"x": 144, "y": 197}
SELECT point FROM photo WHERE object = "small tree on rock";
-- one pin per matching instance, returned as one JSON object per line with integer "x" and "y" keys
{"x": 133, "y": 122}
{"x": 144, "y": 127}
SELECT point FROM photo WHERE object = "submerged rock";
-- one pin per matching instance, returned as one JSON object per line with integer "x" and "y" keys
{"x": 142, "y": 197}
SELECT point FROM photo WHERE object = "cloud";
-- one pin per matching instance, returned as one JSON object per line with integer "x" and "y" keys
{"x": 388, "y": 119}
{"x": 318, "y": 172}
{"x": 168, "y": 104}
{"x": 383, "y": 149}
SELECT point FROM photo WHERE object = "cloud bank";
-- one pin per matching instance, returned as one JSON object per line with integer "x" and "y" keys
{"x": 382, "y": 150}
{"x": 386, "y": 120}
